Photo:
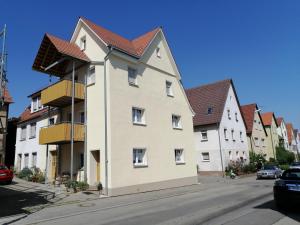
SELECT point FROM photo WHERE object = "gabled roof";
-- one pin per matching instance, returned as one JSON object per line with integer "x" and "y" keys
{"x": 248, "y": 112}
{"x": 135, "y": 47}
{"x": 7, "y": 97}
{"x": 290, "y": 130}
{"x": 267, "y": 118}
{"x": 279, "y": 120}
{"x": 27, "y": 115}
{"x": 209, "y": 96}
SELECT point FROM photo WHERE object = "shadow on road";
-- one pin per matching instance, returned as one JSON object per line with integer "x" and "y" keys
{"x": 15, "y": 199}
{"x": 291, "y": 211}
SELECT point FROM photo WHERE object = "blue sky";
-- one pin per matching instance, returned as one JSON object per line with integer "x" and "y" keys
{"x": 257, "y": 43}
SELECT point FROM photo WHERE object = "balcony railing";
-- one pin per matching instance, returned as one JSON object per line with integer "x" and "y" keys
{"x": 60, "y": 93}
{"x": 61, "y": 133}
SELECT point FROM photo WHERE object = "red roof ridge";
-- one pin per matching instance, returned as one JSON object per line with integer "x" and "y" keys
{"x": 210, "y": 84}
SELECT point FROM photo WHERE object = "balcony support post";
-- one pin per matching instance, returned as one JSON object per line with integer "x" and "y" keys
{"x": 72, "y": 119}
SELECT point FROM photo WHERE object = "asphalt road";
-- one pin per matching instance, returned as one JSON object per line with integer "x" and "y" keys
{"x": 243, "y": 201}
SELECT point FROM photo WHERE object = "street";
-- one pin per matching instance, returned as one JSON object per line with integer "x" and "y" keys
{"x": 213, "y": 201}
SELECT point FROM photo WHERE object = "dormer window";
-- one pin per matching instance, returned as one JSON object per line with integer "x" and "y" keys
{"x": 158, "y": 52}
{"x": 82, "y": 43}
{"x": 209, "y": 110}
{"x": 36, "y": 104}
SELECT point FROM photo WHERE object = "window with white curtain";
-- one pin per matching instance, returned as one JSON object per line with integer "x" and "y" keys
{"x": 139, "y": 157}
{"x": 138, "y": 116}
{"x": 176, "y": 121}
{"x": 179, "y": 157}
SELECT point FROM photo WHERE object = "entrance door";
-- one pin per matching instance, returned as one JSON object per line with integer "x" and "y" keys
{"x": 53, "y": 164}
{"x": 96, "y": 156}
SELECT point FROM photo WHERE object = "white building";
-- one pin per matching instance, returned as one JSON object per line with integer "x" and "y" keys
{"x": 282, "y": 132}
{"x": 29, "y": 153}
{"x": 219, "y": 127}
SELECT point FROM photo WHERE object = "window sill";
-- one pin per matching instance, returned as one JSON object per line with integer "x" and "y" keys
{"x": 177, "y": 128}
{"x": 205, "y": 160}
{"x": 233, "y": 140}
{"x": 226, "y": 139}
{"x": 91, "y": 84}
{"x": 205, "y": 140}
{"x": 23, "y": 139}
{"x": 140, "y": 124}
{"x": 32, "y": 137}
{"x": 140, "y": 166}
{"x": 180, "y": 163}
{"x": 172, "y": 96}
{"x": 133, "y": 85}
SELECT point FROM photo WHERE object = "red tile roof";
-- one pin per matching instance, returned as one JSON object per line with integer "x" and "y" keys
{"x": 279, "y": 120}
{"x": 134, "y": 47}
{"x": 267, "y": 118}
{"x": 208, "y": 96}
{"x": 7, "y": 96}
{"x": 290, "y": 130}
{"x": 248, "y": 113}
{"x": 27, "y": 115}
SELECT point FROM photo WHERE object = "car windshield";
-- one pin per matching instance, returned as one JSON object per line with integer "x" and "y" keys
{"x": 2, "y": 167}
{"x": 296, "y": 164}
{"x": 291, "y": 175}
{"x": 269, "y": 167}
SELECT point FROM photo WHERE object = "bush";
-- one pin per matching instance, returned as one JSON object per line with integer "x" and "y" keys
{"x": 82, "y": 186}
{"x": 37, "y": 175}
{"x": 284, "y": 167}
{"x": 283, "y": 156}
{"x": 25, "y": 174}
{"x": 250, "y": 168}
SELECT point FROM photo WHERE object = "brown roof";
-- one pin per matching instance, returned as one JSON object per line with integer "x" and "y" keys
{"x": 267, "y": 118}
{"x": 134, "y": 47}
{"x": 208, "y": 96}
{"x": 279, "y": 120}
{"x": 27, "y": 115}
{"x": 248, "y": 113}
{"x": 290, "y": 130}
{"x": 7, "y": 96}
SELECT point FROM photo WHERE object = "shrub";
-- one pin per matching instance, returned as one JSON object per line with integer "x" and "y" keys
{"x": 257, "y": 158}
{"x": 284, "y": 167}
{"x": 25, "y": 174}
{"x": 250, "y": 168}
{"x": 82, "y": 186}
{"x": 283, "y": 156}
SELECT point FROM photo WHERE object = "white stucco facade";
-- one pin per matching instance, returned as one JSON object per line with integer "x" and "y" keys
{"x": 282, "y": 132}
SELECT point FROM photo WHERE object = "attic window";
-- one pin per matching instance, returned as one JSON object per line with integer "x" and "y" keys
{"x": 82, "y": 43}
{"x": 209, "y": 110}
{"x": 158, "y": 52}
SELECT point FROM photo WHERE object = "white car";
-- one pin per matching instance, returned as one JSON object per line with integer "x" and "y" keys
{"x": 295, "y": 165}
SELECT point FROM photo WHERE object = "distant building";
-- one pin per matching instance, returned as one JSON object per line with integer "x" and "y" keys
{"x": 219, "y": 127}
{"x": 282, "y": 132}
{"x": 292, "y": 138}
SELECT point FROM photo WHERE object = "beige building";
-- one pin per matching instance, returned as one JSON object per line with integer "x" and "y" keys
{"x": 133, "y": 125}
{"x": 256, "y": 132}
{"x": 271, "y": 126}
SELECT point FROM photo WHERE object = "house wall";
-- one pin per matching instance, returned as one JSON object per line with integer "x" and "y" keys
{"x": 272, "y": 140}
{"x": 282, "y": 132}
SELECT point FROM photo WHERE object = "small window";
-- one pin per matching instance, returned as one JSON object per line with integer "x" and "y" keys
{"x": 256, "y": 141}
{"x": 132, "y": 76}
{"x": 225, "y": 134}
{"x": 82, "y": 117}
{"x": 228, "y": 114}
{"x": 230, "y": 155}
{"x": 51, "y": 121}
{"x": 26, "y": 160}
{"x": 82, "y": 43}
{"x": 204, "y": 135}
{"x": 179, "y": 157}
{"x": 138, "y": 116}
{"x": 91, "y": 78}
{"x": 169, "y": 88}
{"x": 232, "y": 135}
{"x": 34, "y": 159}
{"x": 36, "y": 104}
{"x": 158, "y": 52}
{"x": 236, "y": 117}
{"x": 237, "y": 155}
{"x": 263, "y": 142}
{"x": 23, "y": 133}
{"x": 32, "y": 130}
{"x": 209, "y": 110}
{"x": 205, "y": 156}
{"x": 139, "y": 157}
{"x": 241, "y": 136}
{"x": 176, "y": 122}
{"x": 81, "y": 160}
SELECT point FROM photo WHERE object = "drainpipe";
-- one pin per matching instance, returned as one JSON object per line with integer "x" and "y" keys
{"x": 72, "y": 119}
{"x": 105, "y": 123}
{"x": 85, "y": 124}
{"x": 221, "y": 156}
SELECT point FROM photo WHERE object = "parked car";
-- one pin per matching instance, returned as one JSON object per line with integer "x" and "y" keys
{"x": 6, "y": 175}
{"x": 269, "y": 171}
{"x": 295, "y": 165}
{"x": 286, "y": 190}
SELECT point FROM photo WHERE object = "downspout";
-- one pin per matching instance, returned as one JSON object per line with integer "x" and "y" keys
{"x": 85, "y": 124}
{"x": 105, "y": 123}
{"x": 72, "y": 120}
{"x": 221, "y": 156}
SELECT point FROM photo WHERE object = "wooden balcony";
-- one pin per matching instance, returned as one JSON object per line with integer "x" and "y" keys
{"x": 61, "y": 134}
{"x": 60, "y": 94}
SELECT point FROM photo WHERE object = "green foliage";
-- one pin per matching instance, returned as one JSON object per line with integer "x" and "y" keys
{"x": 256, "y": 158}
{"x": 249, "y": 168}
{"x": 284, "y": 167}
{"x": 75, "y": 185}
{"x": 283, "y": 156}
{"x": 25, "y": 174}
{"x": 82, "y": 186}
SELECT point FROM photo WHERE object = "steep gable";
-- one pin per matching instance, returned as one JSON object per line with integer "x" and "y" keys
{"x": 268, "y": 118}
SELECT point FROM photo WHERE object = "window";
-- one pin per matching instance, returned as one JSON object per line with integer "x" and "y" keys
{"x": 237, "y": 154}
{"x": 158, "y": 52}
{"x": 23, "y": 133}
{"x": 81, "y": 160}
{"x": 209, "y": 110}
{"x": 139, "y": 157}
{"x": 256, "y": 141}
{"x": 204, "y": 135}
{"x": 179, "y": 158}
{"x": 32, "y": 130}
{"x": 225, "y": 134}
{"x": 26, "y": 160}
{"x": 82, "y": 43}
{"x": 39, "y": 103}
{"x": 91, "y": 78}
{"x": 176, "y": 122}
{"x": 82, "y": 117}
{"x": 36, "y": 104}
{"x": 230, "y": 155}
{"x": 169, "y": 88}
{"x": 228, "y": 114}
{"x": 263, "y": 142}
{"x": 51, "y": 121}
{"x": 241, "y": 136}
{"x": 232, "y": 135}
{"x": 236, "y": 117}
{"x": 205, "y": 156}
{"x": 138, "y": 116}
{"x": 132, "y": 76}
{"x": 34, "y": 157}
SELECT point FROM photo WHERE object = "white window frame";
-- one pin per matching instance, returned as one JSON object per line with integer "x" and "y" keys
{"x": 158, "y": 52}
{"x": 26, "y": 160}
{"x": 204, "y": 138}
{"x": 179, "y": 158}
{"x": 34, "y": 159}
{"x": 51, "y": 119}
{"x": 226, "y": 134}
{"x": 136, "y": 152}
{"x": 176, "y": 123}
{"x": 205, "y": 159}
{"x": 32, "y": 132}
{"x": 232, "y": 135}
{"x": 91, "y": 77}
{"x": 82, "y": 44}
{"x": 169, "y": 89}
{"x": 23, "y": 133}
{"x": 132, "y": 76}
{"x": 135, "y": 119}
